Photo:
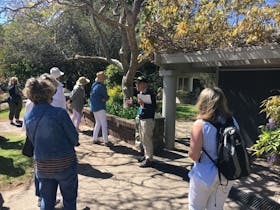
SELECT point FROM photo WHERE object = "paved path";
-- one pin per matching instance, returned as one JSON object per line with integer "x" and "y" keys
{"x": 110, "y": 178}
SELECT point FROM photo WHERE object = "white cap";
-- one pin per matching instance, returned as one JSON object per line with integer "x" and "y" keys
{"x": 55, "y": 72}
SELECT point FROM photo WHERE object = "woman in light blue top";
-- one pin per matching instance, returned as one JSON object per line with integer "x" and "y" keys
{"x": 206, "y": 191}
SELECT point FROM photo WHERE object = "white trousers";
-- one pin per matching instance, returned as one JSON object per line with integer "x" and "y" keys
{"x": 100, "y": 121}
{"x": 146, "y": 131}
{"x": 76, "y": 118}
{"x": 202, "y": 197}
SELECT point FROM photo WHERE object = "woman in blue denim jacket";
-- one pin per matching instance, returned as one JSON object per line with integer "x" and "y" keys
{"x": 54, "y": 137}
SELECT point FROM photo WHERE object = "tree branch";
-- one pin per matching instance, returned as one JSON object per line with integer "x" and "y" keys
{"x": 136, "y": 8}
{"x": 99, "y": 16}
{"x": 102, "y": 36}
{"x": 96, "y": 59}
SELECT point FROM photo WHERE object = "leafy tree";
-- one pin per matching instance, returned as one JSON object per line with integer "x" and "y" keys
{"x": 119, "y": 15}
{"x": 185, "y": 25}
{"x": 145, "y": 27}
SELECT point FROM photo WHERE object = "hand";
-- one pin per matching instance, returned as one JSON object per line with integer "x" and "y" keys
{"x": 129, "y": 101}
{"x": 140, "y": 102}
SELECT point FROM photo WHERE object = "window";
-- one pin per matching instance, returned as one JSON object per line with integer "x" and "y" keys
{"x": 184, "y": 83}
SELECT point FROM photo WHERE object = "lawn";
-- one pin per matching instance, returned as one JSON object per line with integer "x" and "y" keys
{"x": 15, "y": 168}
{"x": 185, "y": 112}
{"x": 4, "y": 112}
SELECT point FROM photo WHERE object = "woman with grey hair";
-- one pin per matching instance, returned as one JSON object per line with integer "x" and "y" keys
{"x": 28, "y": 107}
{"x": 54, "y": 137}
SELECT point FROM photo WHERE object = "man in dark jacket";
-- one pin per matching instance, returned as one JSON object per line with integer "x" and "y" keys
{"x": 146, "y": 114}
{"x": 15, "y": 101}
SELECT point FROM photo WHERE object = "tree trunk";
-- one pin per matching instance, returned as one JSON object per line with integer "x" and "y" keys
{"x": 127, "y": 88}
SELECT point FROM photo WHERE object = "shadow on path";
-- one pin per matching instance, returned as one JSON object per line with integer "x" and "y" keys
{"x": 86, "y": 169}
{"x": 87, "y": 132}
{"x": 184, "y": 141}
{"x": 172, "y": 169}
{"x": 7, "y": 167}
{"x": 5, "y": 144}
{"x": 170, "y": 155}
{"x": 124, "y": 150}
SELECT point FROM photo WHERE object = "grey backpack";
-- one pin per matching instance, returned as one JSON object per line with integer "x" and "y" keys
{"x": 233, "y": 161}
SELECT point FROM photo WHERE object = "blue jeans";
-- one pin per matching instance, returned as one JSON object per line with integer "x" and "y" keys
{"x": 37, "y": 184}
{"x": 68, "y": 184}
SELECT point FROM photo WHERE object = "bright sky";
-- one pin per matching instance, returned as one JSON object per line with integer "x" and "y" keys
{"x": 2, "y": 19}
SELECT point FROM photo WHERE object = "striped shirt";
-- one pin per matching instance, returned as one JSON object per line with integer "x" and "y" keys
{"x": 54, "y": 165}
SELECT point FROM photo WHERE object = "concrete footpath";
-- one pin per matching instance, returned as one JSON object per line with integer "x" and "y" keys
{"x": 110, "y": 178}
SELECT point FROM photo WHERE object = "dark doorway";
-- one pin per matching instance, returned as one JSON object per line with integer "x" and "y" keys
{"x": 245, "y": 90}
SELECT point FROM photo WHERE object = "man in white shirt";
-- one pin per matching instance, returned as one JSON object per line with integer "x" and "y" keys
{"x": 59, "y": 99}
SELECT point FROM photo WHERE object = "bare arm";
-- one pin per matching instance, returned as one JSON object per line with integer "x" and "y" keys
{"x": 196, "y": 141}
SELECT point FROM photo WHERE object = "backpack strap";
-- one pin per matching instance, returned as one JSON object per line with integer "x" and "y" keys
{"x": 215, "y": 163}
{"x": 217, "y": 126}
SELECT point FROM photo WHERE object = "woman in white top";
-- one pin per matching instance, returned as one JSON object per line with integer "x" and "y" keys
{"x": 58, "y": 99}
{"x": 206, "y": 191}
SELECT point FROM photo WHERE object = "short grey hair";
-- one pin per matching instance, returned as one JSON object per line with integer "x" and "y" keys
{"x": 39, "y": 90}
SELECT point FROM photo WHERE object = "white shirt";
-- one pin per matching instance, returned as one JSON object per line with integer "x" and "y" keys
{"x": 59, "y": 99}
{"x": 28, "y": 106}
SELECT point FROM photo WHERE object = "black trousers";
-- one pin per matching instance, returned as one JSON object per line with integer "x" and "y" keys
{"x": 15, "y": 108}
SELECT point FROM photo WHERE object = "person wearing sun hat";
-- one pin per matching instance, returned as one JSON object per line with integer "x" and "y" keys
{"x": 77, "y": 100}
{"x": 59, "y": 99}
{"x": 98, "y": 98}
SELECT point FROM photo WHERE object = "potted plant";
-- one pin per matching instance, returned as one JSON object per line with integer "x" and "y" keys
{"x": 269, "y": 139}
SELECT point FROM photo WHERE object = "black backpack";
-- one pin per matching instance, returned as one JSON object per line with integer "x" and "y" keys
{"x": 233, "y": 160}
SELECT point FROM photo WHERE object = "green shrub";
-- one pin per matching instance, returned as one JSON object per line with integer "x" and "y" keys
{"x": 269, "y": 139}
{"x": 115, "y": 95}
{"x": 114, "y": 105}
{"x": 118, "y": 110}
{"x": 114, "y": 76}
{"x": 186, "y": 97}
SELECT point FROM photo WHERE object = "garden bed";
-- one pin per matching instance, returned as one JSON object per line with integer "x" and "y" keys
{"x": 124, "y": 129}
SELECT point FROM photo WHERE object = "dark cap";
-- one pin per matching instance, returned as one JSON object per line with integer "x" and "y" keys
{"x": 141, "y": 79}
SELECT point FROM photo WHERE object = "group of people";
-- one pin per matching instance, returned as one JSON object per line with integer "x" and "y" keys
{"x": 55, "y": 135}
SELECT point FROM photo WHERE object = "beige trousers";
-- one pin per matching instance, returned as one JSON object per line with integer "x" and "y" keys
{"x": 146, "y": 130}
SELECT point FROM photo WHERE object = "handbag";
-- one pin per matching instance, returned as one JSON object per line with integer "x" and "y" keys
{"x": 28, "y": 148}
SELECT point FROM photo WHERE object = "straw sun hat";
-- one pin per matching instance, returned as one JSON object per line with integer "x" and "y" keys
{"x": 82, "y": 81}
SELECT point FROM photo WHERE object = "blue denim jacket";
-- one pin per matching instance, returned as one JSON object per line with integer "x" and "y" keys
{"x": 56, "y": 135}
{"x": 98, "y": 97}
